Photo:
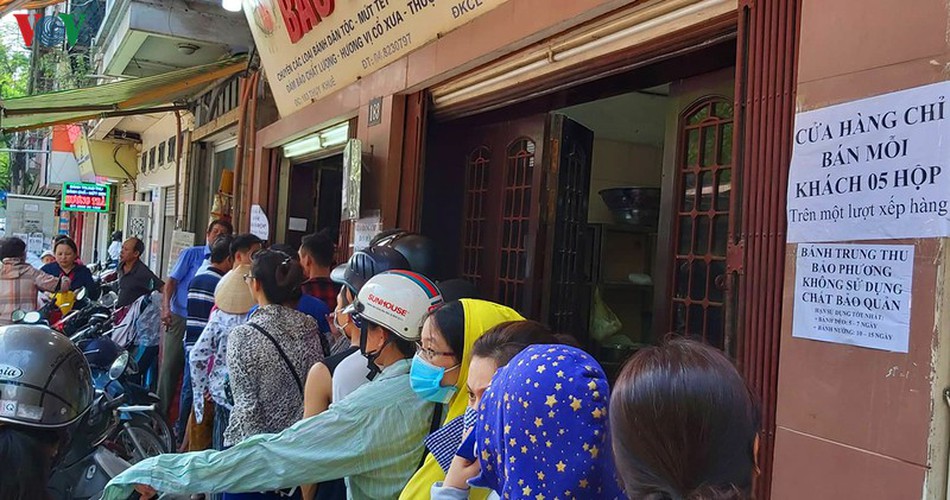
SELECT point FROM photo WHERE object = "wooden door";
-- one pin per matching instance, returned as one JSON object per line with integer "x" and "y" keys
{"x": 565, "y": 306}
{"x": 501, "y": 209}
{"x": 517, "y": 192}
{"x": 702, "y": 221}
{"x": 329, "y": 198}
{"x": 301, "y": 204}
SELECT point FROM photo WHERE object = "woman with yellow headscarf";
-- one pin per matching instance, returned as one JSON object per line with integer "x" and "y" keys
{"x": 439, "y": 373}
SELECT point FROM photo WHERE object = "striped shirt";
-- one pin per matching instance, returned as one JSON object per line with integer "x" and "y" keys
{"x": 372, "y": 438}
{"x": 200, "y": 302}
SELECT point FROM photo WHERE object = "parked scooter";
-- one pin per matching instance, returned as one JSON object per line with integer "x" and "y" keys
{"x": 106, "y": 275}
{"x": 141, "y": 432}
{"x": 89, "y": 465}
{"x": 82, "y": 310}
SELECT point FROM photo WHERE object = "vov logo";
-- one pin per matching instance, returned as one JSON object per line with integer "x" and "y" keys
{"x": 49, "y": 31}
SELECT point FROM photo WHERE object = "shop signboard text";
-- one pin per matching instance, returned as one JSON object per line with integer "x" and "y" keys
{"x": 311, "y": 48}
{"x": 82, "y": 197}
{"x": 854, "y": 294}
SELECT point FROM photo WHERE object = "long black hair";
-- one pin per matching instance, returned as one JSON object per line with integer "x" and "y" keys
{"x": 684, "y": 424}
{"x": 449, "y": 319}
{"x": 280, "y": 276}
{"x": 28, "y": 455}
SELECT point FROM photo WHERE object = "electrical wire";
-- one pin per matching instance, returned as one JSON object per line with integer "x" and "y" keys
{"x": 115, "y": 158}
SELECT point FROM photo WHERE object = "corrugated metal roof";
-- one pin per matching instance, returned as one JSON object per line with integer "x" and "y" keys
{"x": 70, "y": 106}
{"x": 44, "y": 191}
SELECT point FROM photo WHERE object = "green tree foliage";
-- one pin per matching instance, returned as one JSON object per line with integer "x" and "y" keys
{"x": 14, "y": 72}
{"x": 14, "y": 75}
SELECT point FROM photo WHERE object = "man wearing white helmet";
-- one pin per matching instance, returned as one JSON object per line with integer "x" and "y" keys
{"x": 374, "y": 438}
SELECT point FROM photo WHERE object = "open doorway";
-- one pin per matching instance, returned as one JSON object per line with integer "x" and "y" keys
{"x": 315, "y": 197}
{"x": 629, "y": 135}
{"x": 606, "y": 216}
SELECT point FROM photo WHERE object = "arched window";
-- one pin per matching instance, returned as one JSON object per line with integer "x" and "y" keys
{"x": 516, "y": 221}
{"x": 701, "y": 226}
{"x": 476, "y": 194}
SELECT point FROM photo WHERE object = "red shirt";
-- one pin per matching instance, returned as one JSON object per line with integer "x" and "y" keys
{"x": 323, "y": 289}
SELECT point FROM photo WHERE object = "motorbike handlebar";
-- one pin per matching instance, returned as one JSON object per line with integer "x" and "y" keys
{"x": 136, "y": 408}
{"x": 114, "y": 404}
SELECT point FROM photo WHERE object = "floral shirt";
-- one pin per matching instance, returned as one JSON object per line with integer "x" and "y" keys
{"x": 209, "y": 361}
{"x": 267, "y": 398}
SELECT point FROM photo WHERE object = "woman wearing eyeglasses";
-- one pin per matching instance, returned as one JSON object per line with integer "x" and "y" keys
{"x": 269, "y": 356}
{"x": 439, "y": 373}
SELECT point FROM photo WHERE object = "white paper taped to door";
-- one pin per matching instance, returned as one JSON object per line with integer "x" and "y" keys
{"x": 854, "y": 294}
{"x": 876, "y": 168}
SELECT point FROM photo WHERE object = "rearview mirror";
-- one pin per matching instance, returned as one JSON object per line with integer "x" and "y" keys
{"x": 108, "y": 299}
{"x": 18, "y": 316}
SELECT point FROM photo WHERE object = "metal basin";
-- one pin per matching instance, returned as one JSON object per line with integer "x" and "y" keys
{"x": 635, "y": 206}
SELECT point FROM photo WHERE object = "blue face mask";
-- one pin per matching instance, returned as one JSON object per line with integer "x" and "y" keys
{"x": 426, "y": 381}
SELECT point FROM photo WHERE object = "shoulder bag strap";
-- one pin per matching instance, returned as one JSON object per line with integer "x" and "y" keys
{"x": 433, "y": 426}
{"x": 283, "y": 355}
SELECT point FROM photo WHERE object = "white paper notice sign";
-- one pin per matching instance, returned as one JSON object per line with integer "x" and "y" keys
{"x": 260, "y": 227}
{"x": 180, "y": 241}
{"x": 854, "y": 294}
{"x": 364, "y": 231}
{"x": 877, "y": 168}
{"x": 34, "y": 243}
{"x": 298, "y": 224}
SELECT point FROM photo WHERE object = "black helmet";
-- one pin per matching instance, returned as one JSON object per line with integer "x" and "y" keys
{"x": 44, "y": 379}
{"x": 418, "y": 250}
{"x": 101, "y": 352}
{"x": 458, "y": 289}
{"x": 365, "y": 264}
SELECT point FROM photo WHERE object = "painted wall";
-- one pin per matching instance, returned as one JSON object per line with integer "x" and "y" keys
{"x": 99, "y": 159}
{"x": 155, "y": 176}
{"x": 163, "y": 173}
{"x": 618, "y": 164}
{"x": 853, "y": 422}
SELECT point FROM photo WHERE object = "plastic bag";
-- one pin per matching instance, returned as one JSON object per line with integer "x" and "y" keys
{"x": 65, "y": 301}
{"x": 603, "y": 321}
{"x": 142, "y": 324}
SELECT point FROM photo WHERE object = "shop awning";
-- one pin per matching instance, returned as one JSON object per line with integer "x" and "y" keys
{"x": 112, "y": 99}
{"x": 44, "y": 191}
{"x": 8, "y": 6}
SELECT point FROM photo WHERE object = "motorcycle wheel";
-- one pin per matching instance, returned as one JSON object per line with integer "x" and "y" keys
{"x": 151, "y": 432}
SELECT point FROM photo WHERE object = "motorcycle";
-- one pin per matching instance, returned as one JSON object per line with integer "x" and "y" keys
{"x": 106, "y": 275}
{"x": 141, "y": 432}
{"x": 88, "y": 464}
{"x": 83, "y": 309}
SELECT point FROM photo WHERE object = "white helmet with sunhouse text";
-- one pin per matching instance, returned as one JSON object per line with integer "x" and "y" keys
{"x": 399, "y": 301}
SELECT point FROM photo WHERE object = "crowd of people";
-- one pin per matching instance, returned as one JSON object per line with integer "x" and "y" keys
{"x": 369, "y": 380}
